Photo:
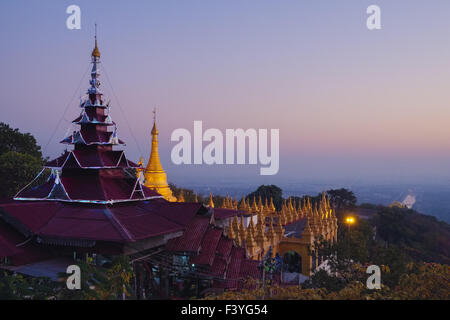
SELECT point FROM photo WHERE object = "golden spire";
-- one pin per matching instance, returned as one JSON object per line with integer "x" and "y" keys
{"x": 272, "y": 207}
{"x": 95, "y": 53}
{"x": 282, "y": 219}
{"x": 279, "y": 230}
{"x": 250, "y": 242}
{"x": 224, "y": 203}
{"x": 211, "y": 202}
{"x": 270, "y": 234}
{"x": 252, "y": 230}
{"x": 260, "y": 204}
{"x": 230, "y": 231}
{"x": 259, "y": 235}
{"x": 242, "y": 233}
{"x": 254, "y": 205}
{"x": 307, "y": 231}
{"x": 243, "y": 204}
{"x": 155, "y": 176}
{"x": 235, "y": 226}
{"x": 266, "y": 209}
{"x": 324, "y": 199}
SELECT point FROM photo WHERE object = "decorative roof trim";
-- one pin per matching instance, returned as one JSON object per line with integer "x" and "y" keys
{"x": 72, "y": 154}
{"x": 110, "y": 142}
{"x": 86, "y": 120}
{"x": 89, "y": 201}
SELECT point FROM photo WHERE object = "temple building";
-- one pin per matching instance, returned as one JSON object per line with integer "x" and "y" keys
{"x": 93, "y": 207}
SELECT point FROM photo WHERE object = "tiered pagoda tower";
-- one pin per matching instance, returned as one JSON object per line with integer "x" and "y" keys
{"x": 93, "y": 171}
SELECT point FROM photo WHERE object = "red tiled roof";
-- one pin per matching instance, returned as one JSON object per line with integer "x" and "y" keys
{"x": 8, "y": 241}
{"x": 219, "y": 266}
{"x": 191, "y": 239}
{"x": 234, "y": 268}
{"x": 14, "y": 245}
{"x": 222, "y": 213}
{"x": 208, "y": 247}
{"x": 224, "y": 247}
{"x": 249, "y": 269}
{"x": 125, "y": 222}
{"x": 222, "y": 256}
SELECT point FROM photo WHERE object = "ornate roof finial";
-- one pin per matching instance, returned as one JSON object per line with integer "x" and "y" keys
{"x": 211, "y": 202}
{"x": 154, "y": 130}
{"x": 96, "y": 52}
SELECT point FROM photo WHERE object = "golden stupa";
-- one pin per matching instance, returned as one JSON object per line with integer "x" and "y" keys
{"x": 154, "y": 175}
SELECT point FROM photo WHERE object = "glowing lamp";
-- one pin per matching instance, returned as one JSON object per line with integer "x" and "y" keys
{"x": 350, "y": 220}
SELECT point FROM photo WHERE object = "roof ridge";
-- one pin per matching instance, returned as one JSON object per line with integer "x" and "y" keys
{"x": 117, "y": 225}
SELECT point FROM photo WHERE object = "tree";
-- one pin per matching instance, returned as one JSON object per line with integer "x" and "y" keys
{"x": 13, "y": 140}
{"x": 424, "y": 281}
{"x": 17, "y": 169}
{"x": 20, "y": 160}
{"x": 343, "y": 199}
{"x": 421, "y": 237}
{"x": 18, "y": 287}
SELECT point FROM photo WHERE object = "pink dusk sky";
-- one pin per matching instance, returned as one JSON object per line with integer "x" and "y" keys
{"x": 349, "y": 103}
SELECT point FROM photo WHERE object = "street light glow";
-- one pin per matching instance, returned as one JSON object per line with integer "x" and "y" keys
{"x": 350, "y": 220}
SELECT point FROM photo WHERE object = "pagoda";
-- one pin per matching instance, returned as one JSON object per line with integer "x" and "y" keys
{"x": 155, "y": 178}
{"x": 91, "y": 202}
{"x": 92, "y": 172}
{"x": 93, "y": 205}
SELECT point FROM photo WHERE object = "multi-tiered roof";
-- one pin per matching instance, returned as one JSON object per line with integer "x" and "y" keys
{"x": 91, "y": 204}
{"x": 90, "y": 197}
{"x": 92, "y": 171}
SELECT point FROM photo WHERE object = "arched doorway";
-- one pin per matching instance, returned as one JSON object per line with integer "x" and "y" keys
{"x": 292, "y": 262}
